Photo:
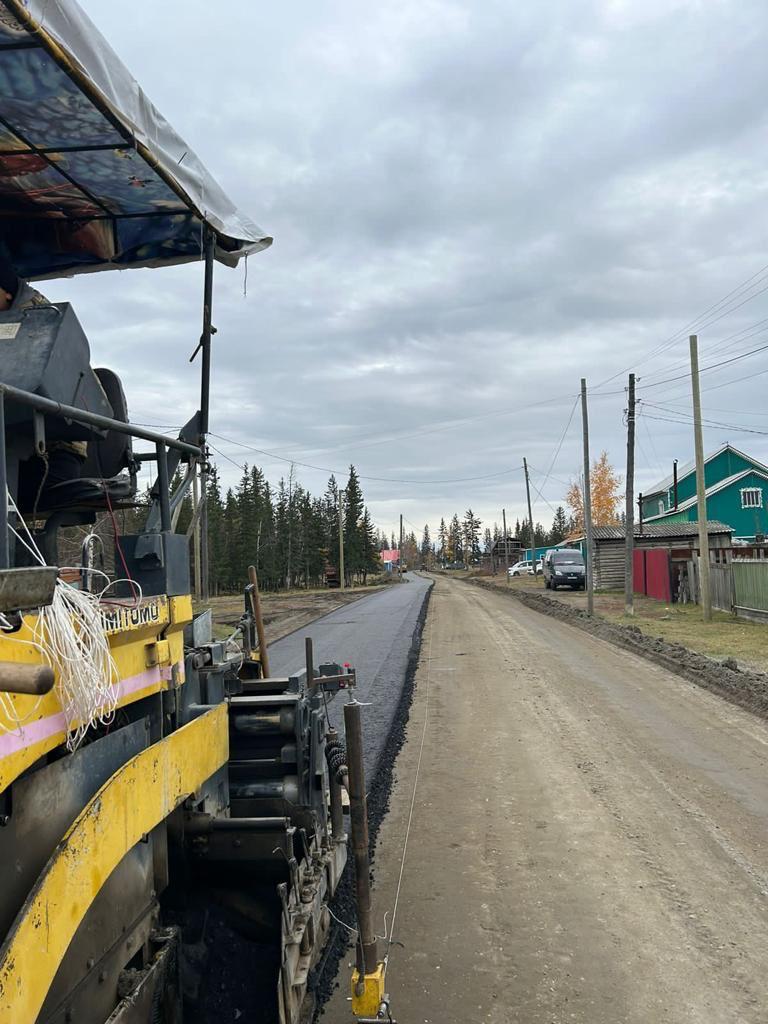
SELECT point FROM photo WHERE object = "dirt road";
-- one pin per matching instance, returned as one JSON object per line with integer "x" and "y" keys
{"x": 589, "y": 834}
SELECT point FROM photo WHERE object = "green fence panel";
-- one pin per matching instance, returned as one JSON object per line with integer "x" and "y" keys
{"x": 750, "y": 583}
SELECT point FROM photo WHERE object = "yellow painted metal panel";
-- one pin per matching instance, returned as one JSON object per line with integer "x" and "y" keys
{"x": 136, "y": 799}
{"x": 130, "y": 631}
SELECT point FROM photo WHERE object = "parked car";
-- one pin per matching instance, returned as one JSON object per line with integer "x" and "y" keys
{"x": 564, "y": 567}
{"x": 522, "y": 568}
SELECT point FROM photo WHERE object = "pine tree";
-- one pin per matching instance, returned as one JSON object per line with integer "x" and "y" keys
{"x": 559, "y": 529}
{"x": 442, "y": 542}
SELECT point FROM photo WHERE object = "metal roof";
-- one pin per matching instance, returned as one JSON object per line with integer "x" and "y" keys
{"x": 690, "y": 467}
{"x": 659, "y": 530}
{"x": 92, "y": 176}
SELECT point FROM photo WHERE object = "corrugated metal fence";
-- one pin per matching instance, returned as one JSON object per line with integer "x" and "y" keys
{"x": 750, "y": 585}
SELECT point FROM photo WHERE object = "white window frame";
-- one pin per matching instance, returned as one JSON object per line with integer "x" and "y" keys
{"x": 662, "y": 507}
{"x": 752, "y": 491}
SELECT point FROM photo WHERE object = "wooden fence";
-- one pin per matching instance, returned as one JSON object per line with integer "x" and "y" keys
{"x": 750, "y": 587}
{"x": 720, "y": 584}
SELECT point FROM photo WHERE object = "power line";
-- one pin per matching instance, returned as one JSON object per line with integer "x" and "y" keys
{"x": 712, "y": 366}
{"x": 747, "y": 285}
{"x": 361, "y": 476}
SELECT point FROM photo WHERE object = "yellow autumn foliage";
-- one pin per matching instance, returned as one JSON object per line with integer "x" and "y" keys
{"x": 605, "y": 492}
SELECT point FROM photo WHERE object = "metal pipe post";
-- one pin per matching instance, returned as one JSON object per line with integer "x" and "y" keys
{"x": 163, "y": 485}
{"x": 358, "y": 814}
{"x": 256, "y": 607}
{"x": 205, "y": 338}
{"x": 5, "y": 547}
{"x": 310, "y": 662}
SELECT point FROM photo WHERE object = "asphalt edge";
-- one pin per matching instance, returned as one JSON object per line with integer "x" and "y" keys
{"x": 748, "y": 690}
{"x": 324, "y": 978}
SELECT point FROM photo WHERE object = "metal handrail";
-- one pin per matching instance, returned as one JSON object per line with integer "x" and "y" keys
{"x": 70, "y": 412}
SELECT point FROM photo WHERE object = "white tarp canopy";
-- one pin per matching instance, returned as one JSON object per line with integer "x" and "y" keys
{"x": 92, "y": 176}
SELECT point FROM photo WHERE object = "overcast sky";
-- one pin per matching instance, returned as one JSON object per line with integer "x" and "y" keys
{"x": 474, "y": 205}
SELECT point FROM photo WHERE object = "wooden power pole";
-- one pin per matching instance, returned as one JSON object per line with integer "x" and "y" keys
{"x": 587, "y": 501}
{"x": 629, "y": 589}
{"x": 341, "y": 541}
{"x": 701, "y": 490}
{"x": 530, "y": 519}
{"x": 506, "y": 548}
{"x": 400, "y": 559}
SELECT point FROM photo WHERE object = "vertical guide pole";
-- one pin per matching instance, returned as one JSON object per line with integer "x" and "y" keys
{"x": 358, "y": 816}
{"x": 164, "y": 487}
{"x": 587, "y": 502}
{"x": 629, "y": 589}
{"x": 530, "y": 518}
{"x": 5, "y": 547}
{"x": 701, "y": 493}
{"x": 506, "y": 549}
{"x": 256, "y": 608}
{"x": 309, "y": 656}
{"x": 341, "y": 541}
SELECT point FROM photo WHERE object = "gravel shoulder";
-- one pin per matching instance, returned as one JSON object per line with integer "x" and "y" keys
{"x": 588, "y": 834}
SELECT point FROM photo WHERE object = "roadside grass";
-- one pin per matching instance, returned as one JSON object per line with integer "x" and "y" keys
{"x": 724, "y": 637}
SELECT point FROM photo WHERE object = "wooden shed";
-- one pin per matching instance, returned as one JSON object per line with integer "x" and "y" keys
{"x": 680, "y": 539}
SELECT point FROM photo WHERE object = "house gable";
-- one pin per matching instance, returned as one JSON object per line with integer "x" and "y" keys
{"x": 740, "y": 501}
{"x": 718, "y": 466}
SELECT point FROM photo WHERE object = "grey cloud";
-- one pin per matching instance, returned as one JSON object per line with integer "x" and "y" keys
{"x": 474, "y": 205}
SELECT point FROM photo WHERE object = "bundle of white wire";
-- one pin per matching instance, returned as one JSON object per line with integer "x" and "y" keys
{"x": 70, "y": 634}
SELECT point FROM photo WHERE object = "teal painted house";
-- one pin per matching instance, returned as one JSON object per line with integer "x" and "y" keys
{"x": 736, "y": 489}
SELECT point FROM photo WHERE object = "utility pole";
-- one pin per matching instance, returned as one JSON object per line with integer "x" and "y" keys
{"x": 341, "y": 540}
{"x": 530, "y": 519}
{"x": 587, "y": 500}
{"x": 701, "y": 493}
{"x": 629, "y": 591}
{"x": 506, "y": 549}
{"x": 400, "y": 559}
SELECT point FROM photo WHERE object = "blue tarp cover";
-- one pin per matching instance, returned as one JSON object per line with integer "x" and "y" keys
{"x": 92, "y": 177}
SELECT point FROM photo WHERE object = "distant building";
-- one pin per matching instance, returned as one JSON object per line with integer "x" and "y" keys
{"x": 499, "y": 555}
{"x": 390, "y": 558}
{"x": 736, "y": 492}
